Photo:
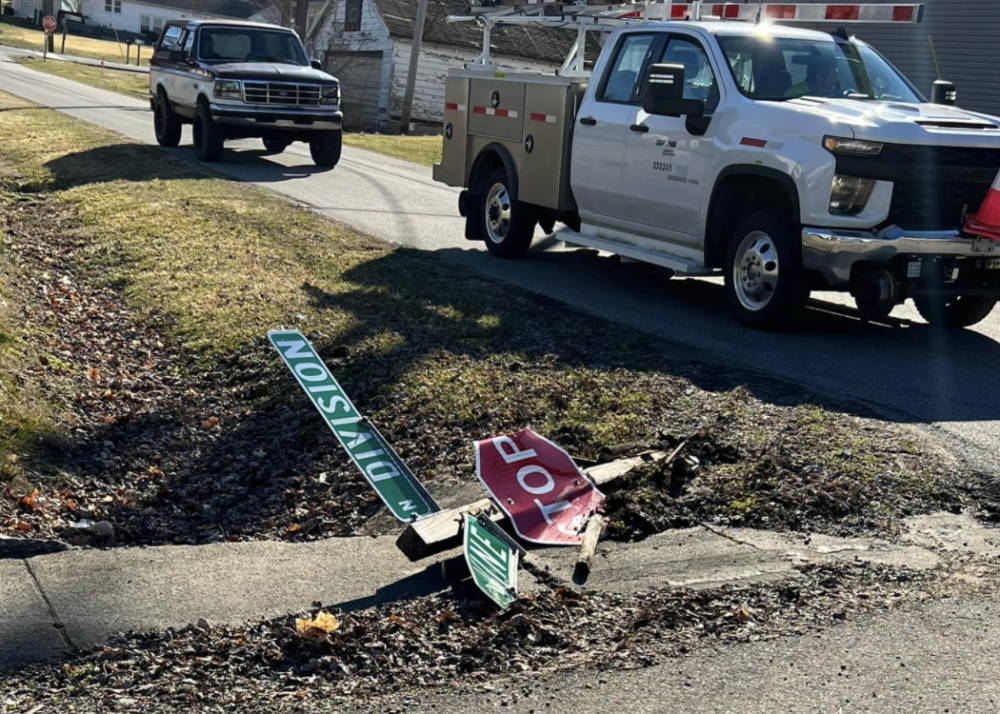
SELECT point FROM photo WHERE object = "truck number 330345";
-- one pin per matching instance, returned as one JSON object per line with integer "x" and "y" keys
{"x": 661, "y": 166}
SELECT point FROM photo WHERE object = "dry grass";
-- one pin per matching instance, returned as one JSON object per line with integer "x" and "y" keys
{"x": 131, "y": 84}
{"x": 90, "y": 48}
{"x": 424, "y": 150}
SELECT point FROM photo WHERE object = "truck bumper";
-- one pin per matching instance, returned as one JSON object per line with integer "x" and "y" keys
{"x": 834, "y": 254}
{"x": 277, "y": 118}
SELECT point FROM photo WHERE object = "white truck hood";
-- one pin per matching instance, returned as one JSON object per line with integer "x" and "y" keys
{"x": 900, "y": 123}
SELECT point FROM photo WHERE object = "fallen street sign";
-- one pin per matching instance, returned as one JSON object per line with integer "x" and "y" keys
{"x": 538, "y": 486}
{"x": 392, "y": 479}
{"x": 492, "y": 558}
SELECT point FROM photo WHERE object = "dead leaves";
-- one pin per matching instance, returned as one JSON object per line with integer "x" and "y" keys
{"x": 211, "y": 422}
{"x": 94, "y": 374}
{"x": 30, "y": 502}
{"x": 316, "y": 629}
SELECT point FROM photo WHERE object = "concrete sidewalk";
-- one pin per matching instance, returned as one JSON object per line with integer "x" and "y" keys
{"x": 50, "y": 604}
{"x": 117, "y": 66}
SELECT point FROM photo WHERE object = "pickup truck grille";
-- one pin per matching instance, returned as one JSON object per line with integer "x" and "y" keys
{"x": 283, "y": 94}
{"x": 936, "y": 183}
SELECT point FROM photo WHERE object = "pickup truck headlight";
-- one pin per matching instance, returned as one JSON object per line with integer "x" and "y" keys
{"x": 854, "y": 147}
{"x": 850, "y": 195}
{"x": 331, "y": 94}
{"x": 227, "y": 89}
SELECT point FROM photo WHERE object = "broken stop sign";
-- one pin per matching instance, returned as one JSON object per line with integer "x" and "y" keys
{"x": 538, "y": 486}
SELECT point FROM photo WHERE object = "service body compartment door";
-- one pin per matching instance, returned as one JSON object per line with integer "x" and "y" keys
{"x": 452, "y": 169}
{"x": 543, "y": 159}
{"x": 497, "y": 109}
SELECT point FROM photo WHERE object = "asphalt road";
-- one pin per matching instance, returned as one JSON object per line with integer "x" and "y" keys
{"x": 937, "y": 658}
{"x": 904, "y": 370}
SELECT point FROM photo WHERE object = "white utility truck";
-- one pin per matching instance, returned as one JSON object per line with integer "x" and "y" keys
{"x": 729, "y": 141}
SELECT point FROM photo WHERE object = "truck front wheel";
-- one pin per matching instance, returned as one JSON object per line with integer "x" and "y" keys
{"x": 209, "y": 137}
{"x": 765, "y": 280}
{"x": 508, "y": 225}
{"x": 326, "y": 149}
{"x": 957, "y": 311}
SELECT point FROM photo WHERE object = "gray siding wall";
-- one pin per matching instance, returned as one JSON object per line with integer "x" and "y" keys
{"x": 966, "y": 37}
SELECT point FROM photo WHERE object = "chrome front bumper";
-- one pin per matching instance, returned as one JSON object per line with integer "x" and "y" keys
{"x": 834, "y": 253}
{"x": 286, "y": 118}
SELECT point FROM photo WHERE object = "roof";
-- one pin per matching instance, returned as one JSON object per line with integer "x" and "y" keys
{"x": 238, "y": 9}
{"x": 534, "y": 43}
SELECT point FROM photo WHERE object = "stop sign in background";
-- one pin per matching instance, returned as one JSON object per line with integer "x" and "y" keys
{"x": 538, "y": 486}
{"x": 49, "y": 23}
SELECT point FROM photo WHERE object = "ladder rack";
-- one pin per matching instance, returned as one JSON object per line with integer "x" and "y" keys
{"x": 596, "y": 16}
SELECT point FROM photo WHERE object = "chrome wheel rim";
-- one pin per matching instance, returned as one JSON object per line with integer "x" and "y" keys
{"x": 498, "y": 211}
{"x": 755, "y": 271}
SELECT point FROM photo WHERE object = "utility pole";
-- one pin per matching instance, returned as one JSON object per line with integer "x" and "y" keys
{"x": 411, "y": 78}
{"x": 301, "y": 17}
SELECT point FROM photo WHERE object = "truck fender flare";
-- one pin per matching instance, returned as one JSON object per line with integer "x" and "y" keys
{"x": 469, "y": 201}
{"x": 715, "y": 240}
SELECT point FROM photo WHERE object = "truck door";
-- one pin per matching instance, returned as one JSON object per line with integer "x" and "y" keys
{"x": 668, "y": 159}
{"x": 600, "y": 136}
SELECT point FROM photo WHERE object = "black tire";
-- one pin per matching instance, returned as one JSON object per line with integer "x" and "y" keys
{"x": 326, "y": 149}
{"x": 957, "y": 311}
{"x": 209, "y": 137}
{"x": 275, "y": 146}
{"x": 166, "y": 123}
{"x": 505, "y": 238}
{"x": 766, "y": 283}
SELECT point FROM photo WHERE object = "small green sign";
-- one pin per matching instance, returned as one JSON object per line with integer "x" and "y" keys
{"x": 381, "y": 466}
{"x": 492, "y": 558}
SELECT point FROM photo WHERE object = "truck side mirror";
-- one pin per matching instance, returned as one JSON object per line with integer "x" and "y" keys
{"x": 664, "y": 93}
{"x": 944, "y": 93}
{"x": 176, "y": 56}
{"x": 316, "y": 64}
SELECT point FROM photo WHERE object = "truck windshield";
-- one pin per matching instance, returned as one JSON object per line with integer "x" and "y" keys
{"x": 250, "y": 44}
{"x": 778, "y": 69}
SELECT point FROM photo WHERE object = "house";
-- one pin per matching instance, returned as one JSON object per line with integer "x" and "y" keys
{"x": 367, "y": 44}
{"x": 145, "y": 17}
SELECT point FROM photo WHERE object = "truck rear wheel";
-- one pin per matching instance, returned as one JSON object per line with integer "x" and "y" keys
{"x": 957, "y": 311}
{"x": 765, "y": 280}
{"x": 166, "y": 123}
{"x": 326, "y": 149}
{"x": 209, "y": 138}
{"x": 508, "y": 225}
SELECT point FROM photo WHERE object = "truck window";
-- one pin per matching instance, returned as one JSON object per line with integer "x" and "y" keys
{"x": 699, "y": 80}
{"x": 171, "y": 39}
{"x": 621, "y": 81}
{"x": 777, "y": 69}
{"x": 250, "y": 44}
{"x": 188, "y": 44}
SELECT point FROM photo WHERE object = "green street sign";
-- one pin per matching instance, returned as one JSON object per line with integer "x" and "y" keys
{"x": 492, "y": 558}
{"x": 381, "y": 466}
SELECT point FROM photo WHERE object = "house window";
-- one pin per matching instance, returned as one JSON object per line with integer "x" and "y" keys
{"x": 352, "y": 15}
{"x": 151, "y": 25}
{"x": 113, "y": 6}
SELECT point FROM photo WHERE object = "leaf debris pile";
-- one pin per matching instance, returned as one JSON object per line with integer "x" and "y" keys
{"x": 448, "y": 640}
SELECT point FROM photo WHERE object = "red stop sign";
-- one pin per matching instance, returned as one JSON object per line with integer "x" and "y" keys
{"x": 49, "y": 23}
{"x": 538, "y": 486}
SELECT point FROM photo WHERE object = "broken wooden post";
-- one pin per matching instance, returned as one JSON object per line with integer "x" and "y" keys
{"x": 592, "y": 533}
{"x": 441, "y": 531}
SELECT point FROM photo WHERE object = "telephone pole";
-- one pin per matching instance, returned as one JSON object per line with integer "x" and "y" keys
{"x": 411, "y": 78}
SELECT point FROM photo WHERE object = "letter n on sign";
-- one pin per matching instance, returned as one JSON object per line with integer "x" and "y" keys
{"x": 538, "y": 486}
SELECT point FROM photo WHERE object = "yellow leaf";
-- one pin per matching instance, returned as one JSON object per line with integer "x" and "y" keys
{"x": 317, "y": 628}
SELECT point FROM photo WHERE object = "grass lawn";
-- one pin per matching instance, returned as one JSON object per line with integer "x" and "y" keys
{"x": 15, "y": 36}
{"x": 424, "y": 150}
{"x": 131, "y": 84}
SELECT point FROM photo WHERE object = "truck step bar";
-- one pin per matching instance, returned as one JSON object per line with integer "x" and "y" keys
{"x": 681, "y": 266}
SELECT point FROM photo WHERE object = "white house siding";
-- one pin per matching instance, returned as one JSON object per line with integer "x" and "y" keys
{"x": 130, "y": 18}
{"x": 435, "y": 61}
{"x": 356, "y": 74}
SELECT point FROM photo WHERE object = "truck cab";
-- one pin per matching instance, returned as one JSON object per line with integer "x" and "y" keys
{"x": 238, "y": 80}
{"x": 787, "y": 160}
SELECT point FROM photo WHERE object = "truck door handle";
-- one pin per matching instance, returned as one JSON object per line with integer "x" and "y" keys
{"x": 641, "y": 128}
{"x": 588, "y": 121}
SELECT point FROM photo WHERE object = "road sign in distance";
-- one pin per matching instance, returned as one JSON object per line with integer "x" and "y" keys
{"x": 391, "y": 478}
{"x": 492, "y": 558}
{"x": 49, "y": 23}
